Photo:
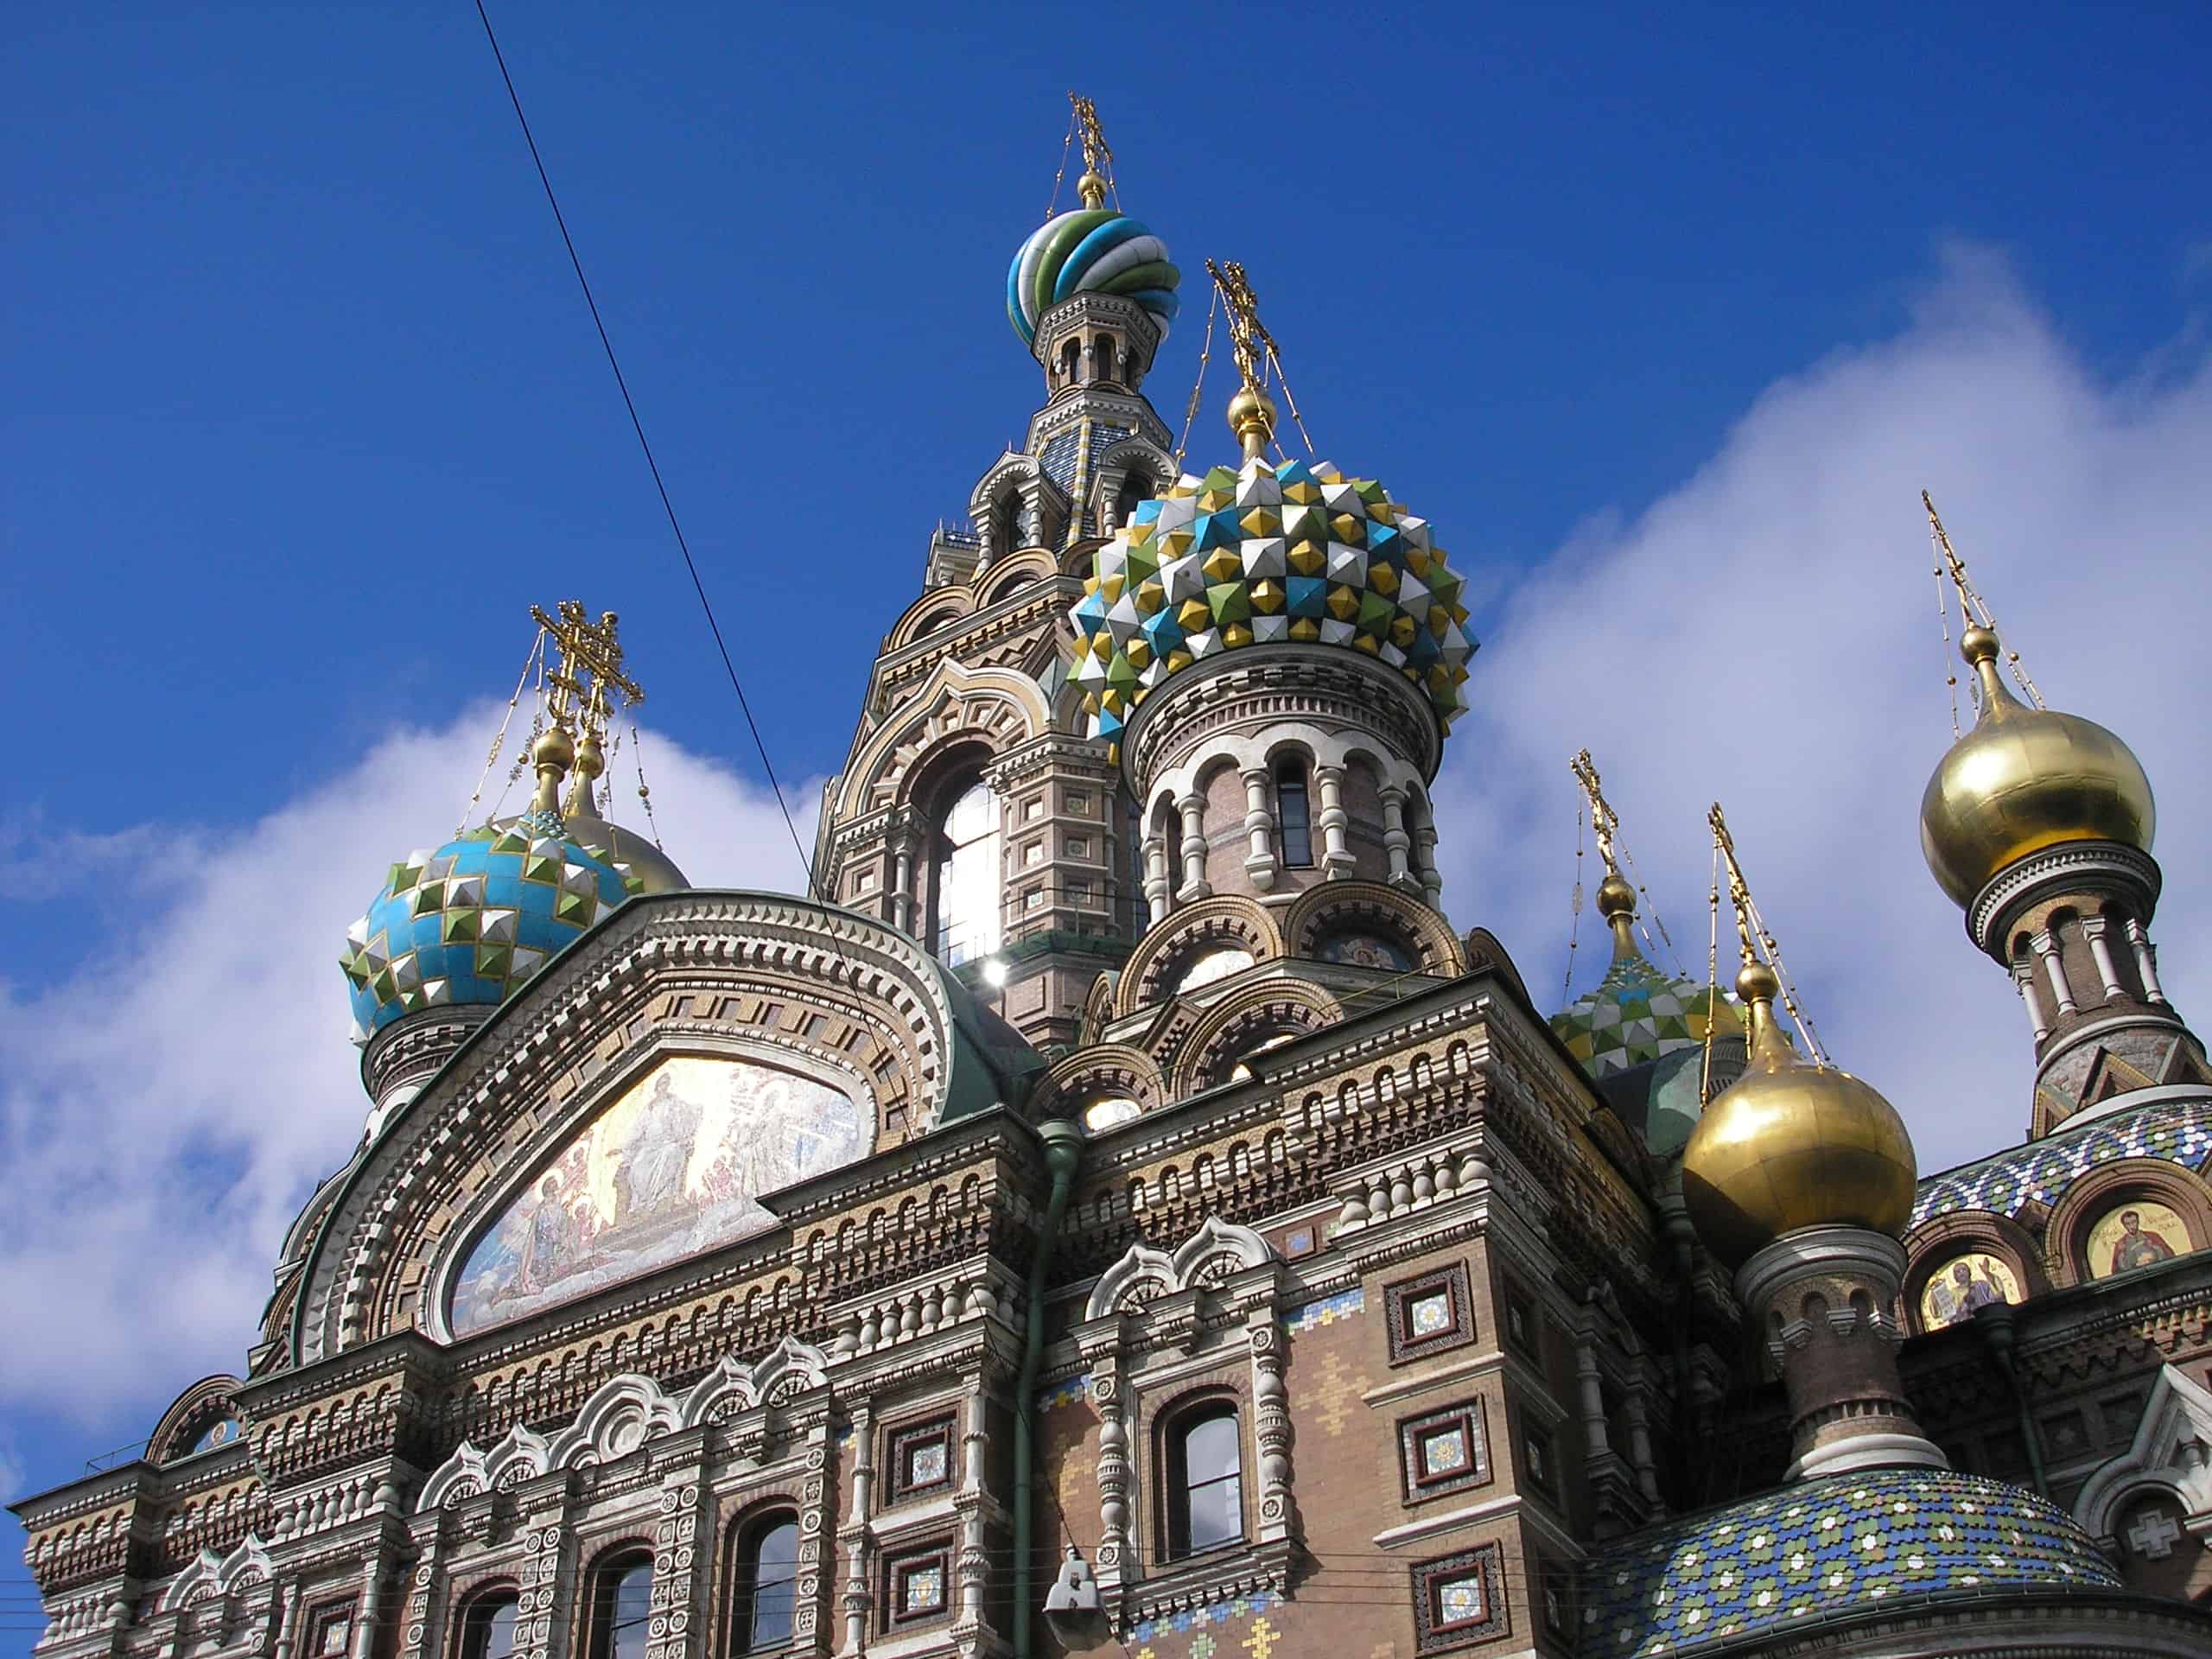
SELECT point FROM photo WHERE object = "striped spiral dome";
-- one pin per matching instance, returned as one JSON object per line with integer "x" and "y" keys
{"x": 1091, "y": 250}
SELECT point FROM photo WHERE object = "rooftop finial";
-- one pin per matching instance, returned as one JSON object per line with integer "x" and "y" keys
{"x": 1979, "y": 642}
{"x": 1251, "y": 411}
{"x": 1097, "y": 157}
{"x": 584, "y": 692}
{"x": 1616, "y": 897}
{"x": 1762, "y": 978}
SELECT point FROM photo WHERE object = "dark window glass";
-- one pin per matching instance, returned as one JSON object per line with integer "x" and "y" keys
{"x": 1295, "y": 813}
{"x": 622, "y": 1603}
{"x": 1136, "y": 490}
{"x": 1205, "y": 1478}
{"x": 488, "y": 1628}
{"x": 768, "y": 1587}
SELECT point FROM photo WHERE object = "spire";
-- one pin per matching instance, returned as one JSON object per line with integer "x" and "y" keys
{"x": 1251, "y": 411}
{"x": 1097, "y": 158}
{"x": 1616, "y": 897}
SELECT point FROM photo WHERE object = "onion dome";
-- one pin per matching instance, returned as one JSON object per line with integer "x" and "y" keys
{"x": 467, "y": 922}
{"x": 1293, "y": 553}
{"x": 2024, "y": 779}
{"x": 1092, "y": 250}
{"x": 1792, "y": 1145}
{"x": 1638, "y": 1013}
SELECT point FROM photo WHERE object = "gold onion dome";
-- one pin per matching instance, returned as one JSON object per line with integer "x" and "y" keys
{"x": 2024, "y": 779}
{"x": 643, "y": 865}
{"x": 1792, "y": 1145}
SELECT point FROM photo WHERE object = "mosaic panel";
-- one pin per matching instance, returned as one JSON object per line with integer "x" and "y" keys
{"x": 672, "y": 1166}
{"x": 1824, "y": 1547}
{"x": 1345, "y": 1304}
{"x": 1963, "y": 1285}
{"x": 1075, "y": 1389}
{"x": 1213, "y": 1612}
{"x": 2179, "y": 1132}
{"x": 2138, "y": 1233}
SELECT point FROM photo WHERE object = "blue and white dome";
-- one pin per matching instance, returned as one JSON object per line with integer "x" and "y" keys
{"x": 468, "y": 922}
{"x": 1095, "y": 250}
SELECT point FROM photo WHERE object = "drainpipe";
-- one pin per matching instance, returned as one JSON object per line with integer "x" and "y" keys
{"x": 1063, "y": 1152}
{"x": 1995, "y": 1324}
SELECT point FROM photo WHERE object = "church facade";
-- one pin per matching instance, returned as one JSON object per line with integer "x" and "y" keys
{"x": 1115, "y": 1211}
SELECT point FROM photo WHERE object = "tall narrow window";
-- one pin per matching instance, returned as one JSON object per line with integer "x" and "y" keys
{"x": 1102, "y": 366}
{"x": 968, "y": 880}
{"x": 765, "y": 1586}
{"x": 1070, "y": 361}
{"x": 487, "y": 1627}
{"x": 621, "y": 1606}
{"x": 1136, "y": 490}
{"x": 1295, "y": 813}
{"x": 1205, "y": 1482}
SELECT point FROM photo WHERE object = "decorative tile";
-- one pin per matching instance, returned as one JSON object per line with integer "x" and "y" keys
{"x": 1459, "y": 1598}
{"x": 1213, "y": 1612}
{"x": 2179, "y": 1132}
{"x": 1067, "y": 1392}
{"x": 1343, "y": 1305}
{"x": 920, "y": 1457}
{"x": 917, "y": 1584}
{"x": 1429, "y": 1313}
{"x": 1446, "y": 1450}
{"x": 1826, "y": 1547}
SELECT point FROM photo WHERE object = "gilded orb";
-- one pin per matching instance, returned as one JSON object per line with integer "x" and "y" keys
{"x": 1252, "y": 415}
{"x": 1615, "y": 897}
{"x": 2024, "y": 779}
{"x": 1790, "y": 1145}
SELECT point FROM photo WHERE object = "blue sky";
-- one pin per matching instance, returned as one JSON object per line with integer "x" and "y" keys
{"x": 306, "y": 408}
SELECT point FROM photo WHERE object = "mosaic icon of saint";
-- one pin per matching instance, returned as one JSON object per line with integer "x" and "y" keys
{"x": 2135, "y": 1248}
{"x": 655, "y": 1154}
{"x": 550, "y": 1242}
{"x": 1962, "y": 1296}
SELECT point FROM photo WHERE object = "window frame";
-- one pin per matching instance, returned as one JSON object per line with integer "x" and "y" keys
{"x": 902, "y": 1439}
{"x": 604, "y": 1587}
{"x": 1418, "y": 1483}
{"x": 1291, "y": 780}
{"x": 747, "y": 1534}
{"x": 944, "y": 852}
{"x": 1176, "y": 1486}
{"x": 1432, "y": 1632}
{"x": 900, "y": 1564}
{"x": 475, "y": 1613}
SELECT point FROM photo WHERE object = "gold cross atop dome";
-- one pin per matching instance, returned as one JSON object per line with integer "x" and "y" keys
{"x": 1616, "y": 897}
{"x": 591, "y": 667}
{"x": 1251, "y": 412}
{"x": 1097, "y": 155}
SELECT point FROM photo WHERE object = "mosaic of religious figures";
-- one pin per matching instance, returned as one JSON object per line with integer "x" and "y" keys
{"x": 1962, "y": 1286}
{"x": 2135, "y": 1234}
{"x": 671, "y": 1167}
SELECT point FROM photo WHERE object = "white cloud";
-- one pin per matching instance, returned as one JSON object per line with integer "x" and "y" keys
{"x": 1766, "y": 635}
{"x": 166, "y": 1108}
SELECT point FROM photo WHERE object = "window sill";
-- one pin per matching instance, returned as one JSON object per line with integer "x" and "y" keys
{"x": 1221, "y": 1574}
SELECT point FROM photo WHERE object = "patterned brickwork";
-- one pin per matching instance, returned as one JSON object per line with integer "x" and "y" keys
{"x": 2179, "y": 1132}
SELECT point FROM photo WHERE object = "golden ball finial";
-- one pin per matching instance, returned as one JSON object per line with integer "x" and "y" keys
{"x": 1791, "y": 1145}
{"x": 2024, "y": 779}
{"x": 1252, "y": 418}
{"x": 1615, "y": 897}
{"x": 555, "y": 748}
{"x": 1092, "y": 186}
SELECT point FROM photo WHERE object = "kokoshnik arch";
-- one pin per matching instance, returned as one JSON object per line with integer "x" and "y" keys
{"x": 1122, "y": 1210}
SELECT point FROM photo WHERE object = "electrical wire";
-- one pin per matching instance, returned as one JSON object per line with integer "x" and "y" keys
{"x": 806, "y": 864}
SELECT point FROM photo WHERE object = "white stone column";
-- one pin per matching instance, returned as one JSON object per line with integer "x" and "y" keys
{"x": 2146, "y": 961}
{"x": 1396, "y": 841}
{"x": 1159, "y": 891}
{"x": 1270, "y": 1422}
{"x": 1259, "y": 829}
{"x": 902, "y": 887}
{"x": 857, "y": 1602}
{"x": 1193, "y": 809}
{"x": 2094, "y": 930}
{"x": 2024, "y": 976}
{"x": 1639, "y": 1443}
{"x": 1596, "y": 1441}
{"x": 2046, "y": 946}
{"x": 1432, "y": 879}
{"x": 1336, "y": 857}
{"x": 1116, "y": 1470}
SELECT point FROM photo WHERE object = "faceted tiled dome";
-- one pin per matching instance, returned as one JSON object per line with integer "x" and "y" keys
{"x": 1844, "y": 1544}
{"x": 1637, "y": 1013}
{"x": 1090, "y": 250}
{"x": 470, "y": 921}
{"x": 1290, "y": 553}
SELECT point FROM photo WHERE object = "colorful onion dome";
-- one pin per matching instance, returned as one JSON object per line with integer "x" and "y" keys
{"x": 1090, "y": 250}
{"x": 1639, "y": 1013}
{"x": 1790, "y": 1145}
{"x": 1267, "y": 554}
{"x": 2024, "y": 779}
{"x": 470, "y": 921}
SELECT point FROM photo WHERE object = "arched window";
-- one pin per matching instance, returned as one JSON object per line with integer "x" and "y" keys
{"x": 1070, "y": 359}
{"x": 1006, "y": 523}
{"x": 621, "y": 1606}
{"x": 1295, "y": 813}
{"x": 1205, "y": 1481}
{"x": 764, "y": 1584}
{"x": 966, "y": 879}
{"x": 487, "y": 1626}
{"x": 1102, "y": 365}
{"x": 1136, "y": 490}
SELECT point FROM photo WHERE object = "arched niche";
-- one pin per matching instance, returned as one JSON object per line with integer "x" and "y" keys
{"x": 2076, "y": 1244}
{"x": 1164, "y": 958}
{"x": 2001, "y": 1259}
